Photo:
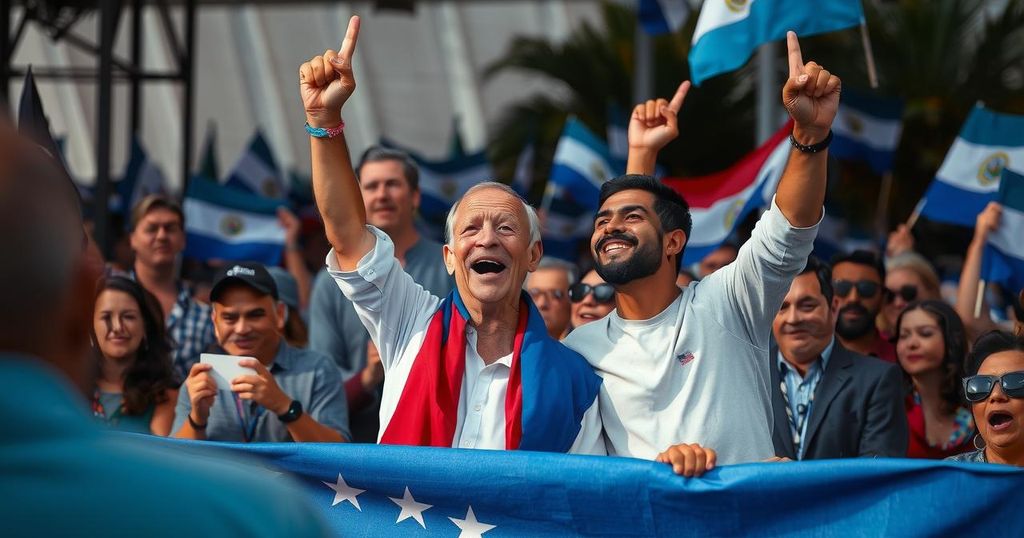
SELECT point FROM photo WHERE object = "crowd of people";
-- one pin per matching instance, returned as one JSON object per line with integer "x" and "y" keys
{"x": 763, "y": 353}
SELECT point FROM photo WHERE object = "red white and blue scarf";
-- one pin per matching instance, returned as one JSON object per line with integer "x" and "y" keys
{"x": 550, "y": 387}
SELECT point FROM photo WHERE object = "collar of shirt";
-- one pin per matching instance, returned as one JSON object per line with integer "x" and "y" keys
{"x": 284, "y": 360}
{"x": 505, "y": 361}
{"x": 821, "y": 363}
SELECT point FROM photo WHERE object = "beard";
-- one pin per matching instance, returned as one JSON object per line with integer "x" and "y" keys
{"x": 850, "y": 329}
{"x": 644, "y": 262}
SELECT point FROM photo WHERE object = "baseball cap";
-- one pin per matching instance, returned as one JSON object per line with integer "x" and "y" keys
{"x": 251, "y": 274}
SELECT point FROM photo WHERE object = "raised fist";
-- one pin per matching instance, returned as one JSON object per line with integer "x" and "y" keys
{"x": 327, "y": 81}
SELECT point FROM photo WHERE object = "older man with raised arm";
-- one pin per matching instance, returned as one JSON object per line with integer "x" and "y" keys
{"x": 691, "y": 365}
{"x": 476, "y": 369}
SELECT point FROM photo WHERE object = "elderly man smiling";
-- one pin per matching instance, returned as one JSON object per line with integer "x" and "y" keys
{"x": 476, "y": 369}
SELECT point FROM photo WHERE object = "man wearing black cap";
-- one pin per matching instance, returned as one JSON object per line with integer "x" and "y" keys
{"x": 296, "y": 395}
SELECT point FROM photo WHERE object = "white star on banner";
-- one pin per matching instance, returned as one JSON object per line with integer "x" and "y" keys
{"x": 471, "y": 528}
{"x": 343, "y": 492}
{"x": 410, "y": 508}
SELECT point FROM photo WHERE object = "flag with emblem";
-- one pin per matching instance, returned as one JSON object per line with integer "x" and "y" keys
{"x": 968, "y": 179}
{"x": 582, "y": 163}
{"x": 257, "y": 172}
{"x": 400, "y": 491}
{"x": 867, "y": 128}
{"x": 1003, "y": 260}
{"x": 141, "y": 178}
{"x": 442, "y": 182}
{"x": 728, "y": 31}
{"x": 222, "y": 223}
{"x": 720, "y": 201}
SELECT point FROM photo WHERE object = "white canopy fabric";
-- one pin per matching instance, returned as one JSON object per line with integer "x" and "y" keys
{"x": 415, "y": 73}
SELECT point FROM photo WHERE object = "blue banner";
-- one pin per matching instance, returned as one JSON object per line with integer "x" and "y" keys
{"x": 372, "y": 490}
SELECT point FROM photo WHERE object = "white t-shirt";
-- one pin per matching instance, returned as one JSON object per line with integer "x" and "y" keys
{"x": 396, "y": 312}
{"x": 698, "y": 372}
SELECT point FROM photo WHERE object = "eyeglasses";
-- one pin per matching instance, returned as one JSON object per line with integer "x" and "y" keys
{"x": 537, "y": 293}
{"x": 603, "y": 293}
{"x": 865, "y": 288}
{"x": 978, "y": 387}
{"x": 906, "y": 292}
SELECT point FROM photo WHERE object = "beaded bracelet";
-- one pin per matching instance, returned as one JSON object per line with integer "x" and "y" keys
{"x": 320, "y": 132}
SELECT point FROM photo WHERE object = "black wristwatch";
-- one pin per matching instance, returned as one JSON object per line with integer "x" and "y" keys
{"x": 292, "y": 414}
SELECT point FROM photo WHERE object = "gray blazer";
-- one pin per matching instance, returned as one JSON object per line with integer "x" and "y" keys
{"x": 858, "y": 410}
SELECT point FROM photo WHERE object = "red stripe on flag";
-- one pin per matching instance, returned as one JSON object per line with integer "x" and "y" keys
{"x": 704, "y": 191}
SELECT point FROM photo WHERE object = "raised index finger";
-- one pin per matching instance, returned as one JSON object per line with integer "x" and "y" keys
{"x": 796, "y": 58}
{"x": 348, "y": 46}
{"x": 677, "y": 100}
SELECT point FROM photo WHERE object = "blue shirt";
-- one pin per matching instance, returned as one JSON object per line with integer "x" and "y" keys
{"x": 800, "y": 391}
{"x": 304, "y": 375}
{"x": 66, "y": 475}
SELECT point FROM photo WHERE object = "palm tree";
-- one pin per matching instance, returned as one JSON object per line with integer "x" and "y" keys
{"x": 596, "y": 66}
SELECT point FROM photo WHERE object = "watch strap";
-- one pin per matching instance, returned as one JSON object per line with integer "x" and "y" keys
{"x": 812, "y": 148}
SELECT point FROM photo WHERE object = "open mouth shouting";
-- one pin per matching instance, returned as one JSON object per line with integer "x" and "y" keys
{"x": 1000, "y": 420}
{"x": 487, "y": 266}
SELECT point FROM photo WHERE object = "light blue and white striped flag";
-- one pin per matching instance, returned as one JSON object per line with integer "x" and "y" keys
{"x": 728, "y": 31}
{"x": 444, "y": 182}
{"x": 1003, "y": 261}
{"x": 968, "y": 179}
{"x": 142, "y": 177}
{"x": 229, "y": 224}
{"x": 662, "y": 16}
{"x": 867, "y": 128}
{"x": 582, "y": 163}
{"x": 257, "y": 172}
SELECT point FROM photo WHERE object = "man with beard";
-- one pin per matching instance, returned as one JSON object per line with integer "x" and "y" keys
{"x": 858, "y": 279}
{"x": 476, "y": 369}
{"x": 690, "y": 365}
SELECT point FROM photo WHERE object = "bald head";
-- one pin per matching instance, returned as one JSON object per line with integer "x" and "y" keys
{"x": 43, "y": 250}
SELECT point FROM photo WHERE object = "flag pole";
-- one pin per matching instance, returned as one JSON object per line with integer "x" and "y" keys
{"x": 978, "y": 299}
{"x": 884, "y": 195}
{"x": 912, "y": 220}
{"x": 869, "y": 56}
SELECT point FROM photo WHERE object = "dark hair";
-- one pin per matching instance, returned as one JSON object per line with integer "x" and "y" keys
{"x": 155, "y": 201}
{"x": 862, "y": 257}
{"x": 375, "y": 154}
{"x": 149, "y": 376}
{"x": 671, "y": 207}
{"x": 824, "y": 273}
{"x": 989, "y": 344}
{"x": 954, "y": 336}
{"x": 296, "y": 333}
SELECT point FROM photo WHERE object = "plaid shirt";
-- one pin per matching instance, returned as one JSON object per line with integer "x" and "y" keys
{"x": 190, "y": 326}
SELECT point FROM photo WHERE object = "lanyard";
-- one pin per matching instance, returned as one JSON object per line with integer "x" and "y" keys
{"x": 798, "y": 425}
{"x": 248, "y": 429}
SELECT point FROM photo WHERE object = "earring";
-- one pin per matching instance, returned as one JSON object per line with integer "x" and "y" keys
{"x": 976, "y": 439}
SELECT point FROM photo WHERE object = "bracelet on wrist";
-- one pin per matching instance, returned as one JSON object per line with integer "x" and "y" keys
{"x": 194, "y": 424}
{"x": 811, "y": 148}
{"x": 325, "y": 132}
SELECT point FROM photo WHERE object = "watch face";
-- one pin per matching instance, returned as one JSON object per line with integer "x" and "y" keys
{"x": 293, "y": 413}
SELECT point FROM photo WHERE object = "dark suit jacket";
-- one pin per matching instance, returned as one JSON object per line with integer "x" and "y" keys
{"x": 857, "y": 411}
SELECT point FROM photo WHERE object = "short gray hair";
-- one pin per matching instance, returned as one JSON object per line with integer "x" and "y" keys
{"x": 571, "y": 272}
{"x": 531, "y": 214}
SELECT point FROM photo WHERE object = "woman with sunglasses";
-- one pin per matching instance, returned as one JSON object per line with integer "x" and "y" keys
{"x": 908, "y": 278}
{"x": 592, "y": 299}
{"x": 135, "y": 389}
{"x": 995, "y": 390}
{"x": 931, "y": 346}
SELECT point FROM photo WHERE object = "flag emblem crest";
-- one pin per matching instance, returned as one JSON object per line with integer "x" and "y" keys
{"x": 231, "y": 225}
{"x": 855, "y": 124}
{"x": 685, "y": 358}
{"x": 992, "y": 168}
{"x": 733, "y": 212}
{"x": 448, "y": 188}
{"x": 736, "y": 5}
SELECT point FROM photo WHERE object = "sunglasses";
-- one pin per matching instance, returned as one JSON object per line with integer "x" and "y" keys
{"x": 907, "y": 292}
{"x": 865, "y": 288}
{"x": 551, "y": 295}
{"x": 978, "y": 387}
{"x": 603, "y": 293}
